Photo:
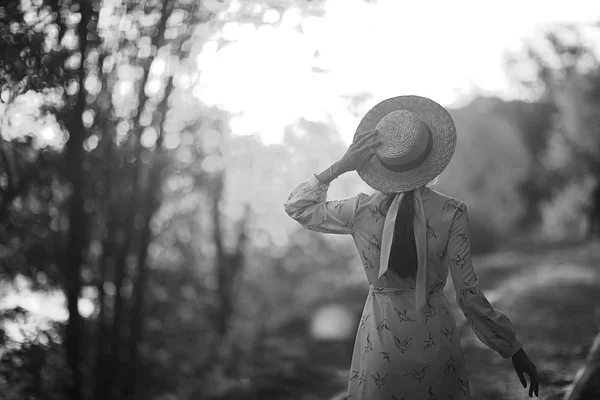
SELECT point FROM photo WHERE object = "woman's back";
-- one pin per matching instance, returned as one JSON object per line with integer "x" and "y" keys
{"x": 439, "y": 210}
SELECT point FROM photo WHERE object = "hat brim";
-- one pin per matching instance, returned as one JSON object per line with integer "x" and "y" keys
{"x": 443, "y": 133}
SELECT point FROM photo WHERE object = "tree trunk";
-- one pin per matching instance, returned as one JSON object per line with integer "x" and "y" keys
{"x": 77, "y": 234}
{"x": 113, "y": 381}
{"x": 140, "y": 285}
{"x": 108, "y": 250}
{"x": 229, "y": 268}
{"x": 152, "y": 203}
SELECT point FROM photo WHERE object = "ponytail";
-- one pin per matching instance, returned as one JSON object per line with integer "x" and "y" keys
{"x": 403, "y": 254}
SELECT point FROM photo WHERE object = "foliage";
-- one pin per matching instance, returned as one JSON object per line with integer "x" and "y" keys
{"x": 566, "y": 78}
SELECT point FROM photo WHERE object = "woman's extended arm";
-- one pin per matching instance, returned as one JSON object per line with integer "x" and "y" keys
{"x": 491, "y": 327}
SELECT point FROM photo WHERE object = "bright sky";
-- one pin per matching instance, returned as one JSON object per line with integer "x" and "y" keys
{"x": 439, "y": 49}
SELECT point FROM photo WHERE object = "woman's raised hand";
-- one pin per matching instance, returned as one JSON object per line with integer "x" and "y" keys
{"x": 360, "y": 151}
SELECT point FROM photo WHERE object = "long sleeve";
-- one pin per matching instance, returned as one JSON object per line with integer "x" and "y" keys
{"x": 492, "y": 327}
{"x": 308, "y": 206}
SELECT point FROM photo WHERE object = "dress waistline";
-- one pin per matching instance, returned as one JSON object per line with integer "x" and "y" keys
{"x": 400, "y": 291}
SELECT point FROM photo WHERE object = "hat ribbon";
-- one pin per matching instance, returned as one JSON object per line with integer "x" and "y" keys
{"x": 419, "y": 227}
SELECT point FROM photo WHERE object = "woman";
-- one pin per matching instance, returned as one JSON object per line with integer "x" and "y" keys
{"x": 408, "y": 236}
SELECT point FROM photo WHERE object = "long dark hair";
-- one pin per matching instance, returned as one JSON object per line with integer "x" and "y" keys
{"x": 403, "y": 254}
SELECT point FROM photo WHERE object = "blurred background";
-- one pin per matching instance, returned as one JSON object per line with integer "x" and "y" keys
{"x": 147, "y": 148}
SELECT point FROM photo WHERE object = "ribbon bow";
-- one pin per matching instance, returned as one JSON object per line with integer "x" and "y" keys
{"x": 419, "y": 226}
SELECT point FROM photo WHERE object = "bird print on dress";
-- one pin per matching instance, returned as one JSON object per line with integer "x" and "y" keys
{"x": 302, "y": 220}
{"x": 385, "y": 324}
{"x": 379, "y": 380}
{"x": 418, "y": 375}
{"x": 463, "y": 384}
{"x": 463, "y": 237}
{"x": 431, "y": 394}
{"x": 386, "y": 355}
{"x": 448, "y": 333}
{"x": 324, "y": 226}
{"x": 450, "y": 365}
{"x": 375, "y": 244}
{"x": 429, "y": 343}
{"x": 437, "y": 286}
{"x": 459, "y": 260}
{"x": 363, "y": 322}
{"x": 349, "y": 225}
{"x": 496, "y": 335}
{"x": 403, "y": 345}
{"x": 441, "y": 255}
{"x": 451, "y": 204}
{"x": 395, "y": 398}
{"x": 340, "y": 206}
{"x": 368, "y": 346}
{"x": 366, "y": 262}
{"x": 486, "y": 302}
{"x": 430, "y": 313}
{"x": 376, "y": 213}
{"x": 430, "y": 230}
{"x": 402, "y": 315}
{"x": 470, "y": 320}
{"x": 361, "y": 378}
{"x": 321, "y": 193}
{"x": 465, "y": 290}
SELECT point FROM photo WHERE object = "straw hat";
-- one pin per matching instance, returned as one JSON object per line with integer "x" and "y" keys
{"x": 419, "y": 139}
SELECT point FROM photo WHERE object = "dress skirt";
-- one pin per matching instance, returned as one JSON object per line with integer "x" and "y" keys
{"x": 396, "y": 357}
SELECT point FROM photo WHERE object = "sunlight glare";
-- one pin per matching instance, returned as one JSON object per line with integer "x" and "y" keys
{"x": 153, "y": 87}
{"x": 276, "y": 74}
{"x": 158, "y": 66}
{"x": 125, "y": 87}
{"x": 48, "y": 133}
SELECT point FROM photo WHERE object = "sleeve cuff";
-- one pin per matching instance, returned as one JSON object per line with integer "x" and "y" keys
{"x": 314, "y": 182}
{"x": 516, "y": 346}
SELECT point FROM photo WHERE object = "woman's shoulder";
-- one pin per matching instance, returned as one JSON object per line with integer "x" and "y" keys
{"x": 446, "y": 202}
{"x": 376, "y": 202}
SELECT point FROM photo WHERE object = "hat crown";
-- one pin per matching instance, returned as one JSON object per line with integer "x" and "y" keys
{"x": 405, "y": 137}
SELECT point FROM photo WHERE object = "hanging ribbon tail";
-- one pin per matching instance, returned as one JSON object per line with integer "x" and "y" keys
{"x": 388, "y": 234}
{"x": 420, "y": 228}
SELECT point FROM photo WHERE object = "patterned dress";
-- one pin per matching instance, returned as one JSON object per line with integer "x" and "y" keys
{"x": 395, "y": 356}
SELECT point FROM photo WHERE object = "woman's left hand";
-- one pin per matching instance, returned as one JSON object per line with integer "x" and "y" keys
{"x": 523, "y": 364}
{"x": 359, "y": 152}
